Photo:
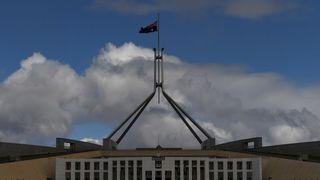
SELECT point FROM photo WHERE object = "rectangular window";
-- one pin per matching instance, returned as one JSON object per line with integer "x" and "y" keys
{"x": 211, "y": 165}
{"x": 68, "y": 165}
{"x": 239, "y": 176}
{"x": 158, "y": 175}
{"x": 114, "y": 173}
{"x": 194, "y": 163}
{"x": 96, "y": 165}
{"x": 177, "y": 173}
{"x": 202, "y": 163}
{"x": 230, "y": 165}
{"x": 249, "y": 165}
{"x": 114, "y": 163}
{"x": 158, "y": 164}
{"x": 194, "y": 173}
{"x": 77, "y": 176}
{"x": 168, "y": 175}
{"x": 202, "y": 173}
{"x": 186, "y": 170}
{"x": 211, "y": 175}
{"x": 96, "y": 176}
{"x": 105, "y": 166}
{"x": 177, "y": 163}
{"x": 78, "y": 167}
{"x": 87, "y": 165}
{"x": 122, "y": 173}
{"x": 220, "y": 165}
{"x": 130, "y": 169}
{"x": 239, "y": 165}
{"x": 249, "y": 175}
{"x": 105, "y": 176}
{"x": 68, "y": 176}
{"x": 220, "y": 175}
{"x": 148, "y": 175}
{"x": 87, "y": 176}
{"x": 139, "y": 170}
{"x": 230, "y": 175}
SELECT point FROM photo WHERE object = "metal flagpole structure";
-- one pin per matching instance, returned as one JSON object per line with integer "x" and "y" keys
{"x": 108, "y": 143}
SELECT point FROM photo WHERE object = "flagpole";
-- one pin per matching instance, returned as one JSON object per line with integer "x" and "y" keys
{"x": 158, "y": 51}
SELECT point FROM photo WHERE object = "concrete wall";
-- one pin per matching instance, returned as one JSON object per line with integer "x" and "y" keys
{"x": 306, "y": 148}
{"x": 76, "y": 146}
{"x": 241, "y": 145}
{"x": 13, "y": 150}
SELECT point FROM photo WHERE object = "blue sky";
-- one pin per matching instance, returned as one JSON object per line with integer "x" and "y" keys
{"x": 285, "y": 42}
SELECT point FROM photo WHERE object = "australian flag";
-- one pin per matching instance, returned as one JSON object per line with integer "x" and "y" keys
{"x": 150, "y": 28}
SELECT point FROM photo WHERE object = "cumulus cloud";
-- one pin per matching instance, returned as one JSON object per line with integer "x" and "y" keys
{"x": 44, "y": 99}
{"x": 92, "y": 140}
{"x": 251, "y": 9}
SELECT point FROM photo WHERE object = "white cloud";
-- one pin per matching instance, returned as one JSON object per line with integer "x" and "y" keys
{"x": 44, "y": 98}
{"x": 92, "y": 140}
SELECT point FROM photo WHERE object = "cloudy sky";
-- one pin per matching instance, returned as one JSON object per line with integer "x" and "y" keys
{"x": 242, "y": 68}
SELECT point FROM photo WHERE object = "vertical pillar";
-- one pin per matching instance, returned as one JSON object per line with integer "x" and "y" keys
{"x": 126, "y": 167}
{"x": 206, "y": 169}
{"x": 190, "y": 169}
{"x": 134, "y": 169}
{"x": 198, "y": 169}
{"x": 181, "y": 170}
{"x": 118, "y": 170}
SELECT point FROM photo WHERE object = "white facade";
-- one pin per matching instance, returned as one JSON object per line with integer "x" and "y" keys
{"x": 159, "y": 168}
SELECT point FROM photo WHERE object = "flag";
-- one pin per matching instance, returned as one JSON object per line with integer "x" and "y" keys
{"x": 150, "y": 28}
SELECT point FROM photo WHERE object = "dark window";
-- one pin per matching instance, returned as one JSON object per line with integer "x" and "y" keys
{"x": 130, "y": 170}
{"x": 122, "y": 173}
{"x": 122, "y": 163}
{"x": 230, "y": 175}
{"x": 177, "y": 173}
{"x": 239, "y": 176}
{"x": 201, "y": 163}
{"x": 139, "y": 163}
{"x": 158, "y": 164}
{"x": 87, "y": 165}
{"x": 249, "y": 165}
{"x": 168, "y": 175}
{"x": 105, "y": 165}
{"x": 220, "y": 175}
{"x": 239, "y": 165}
{"x": 194, "y": 173}
{"x": 158, "y": 175}
{"x": 194, "y": 163}
{"x": 114, "y": 163}
{"x": 96, "y": 166}
{"x": 114, "y": 173}
{"x": 77, "y": 176}
{"x": 211, "y": 165}
{"x": 148, "y": 175}
{"x": 186, "y": 170}
{"x": 220, "y": 165}
{"x": 230, "y": 165}
{"x": 105, "y": 176}
{"x": 177, "y": 163}
{"x": 202, "y": 173}
{"x": 249, "y": 175}
{"x": 96, "y": 176}
{"x": 87, "y": 176}
{"x": 211, "y": 175}
{"x": 139, "y": 170}
{"x": 78, "y": 167}
{"x": 68, "y": 176}
{"x": 68, "y": 165}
